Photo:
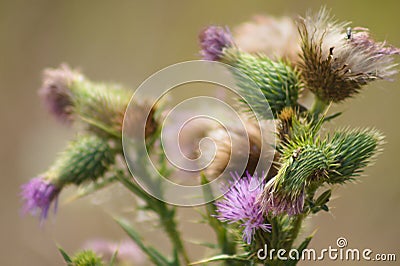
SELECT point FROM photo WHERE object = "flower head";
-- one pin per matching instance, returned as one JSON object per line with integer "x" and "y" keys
{"x": 213, "y": 40}
{"x": 38, "y": 194}
{"x": 56, "y": 94}
{"x": 238, "y": 147}
{"x": 337, "y": 60}
{"x": 240, "y": 205}
{"x": 274, "y": 37}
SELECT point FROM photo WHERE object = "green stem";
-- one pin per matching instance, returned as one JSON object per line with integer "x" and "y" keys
{"x": 296, "y": 226}
{"x": 317, "y": 108}
{"x": 167, "y": 217}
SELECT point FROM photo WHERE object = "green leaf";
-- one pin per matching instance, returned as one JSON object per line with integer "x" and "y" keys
{"x": 301, "y": 247}
{"x": 204, "y": 244}
{"x": 91, "y": 188}
{"x": 332, "y": 116}
{"x": 223, "y": 257}
{"x": 64, "y": 254}
{"x": 325, "y": 208}
{"x": 153, "y": 254}
{"x": 114, "y": 258}
{"x": 323, "y": 198}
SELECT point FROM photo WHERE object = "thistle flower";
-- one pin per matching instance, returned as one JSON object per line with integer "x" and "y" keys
{"x": 213, "y": 40}
{"x": 274, "y": 37}
{"x": 56, "y": 93}
{"x": 248, "y": 144}
{"x": 240, "y": 205}
{"x": 85, "y": 159}
{"x": 138, "y": 116}
{"x": 68, "y": 95}
{"x": 38, "y": 194}
{"x": 337, "y": 62}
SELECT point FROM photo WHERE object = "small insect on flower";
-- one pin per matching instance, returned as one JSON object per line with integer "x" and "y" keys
{"x": 240, "y": 205}
{"x": 348, "y": 33}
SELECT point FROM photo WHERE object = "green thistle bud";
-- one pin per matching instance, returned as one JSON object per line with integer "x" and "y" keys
{"x": 278, "y": 81}
{"x": 285, "y": 193}
{"x": 87, "y": 158}
{"x": 86, "y": 258}
{"x": 354, "y": 149}
{"x": 100, "y": 106}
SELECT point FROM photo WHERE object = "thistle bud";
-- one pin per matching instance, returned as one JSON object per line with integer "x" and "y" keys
{"x": 285, "y": 193}
{"x": 85, "y": 159}
{"x": 86, "y": 258}
{"x": 278, "y": 82}
{"x": 336, "y": 62}
{"x": 354, "y": 149}
{"x": 101, "y": 107}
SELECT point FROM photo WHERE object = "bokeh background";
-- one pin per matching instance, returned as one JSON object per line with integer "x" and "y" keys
{"x": 126, "y": 41}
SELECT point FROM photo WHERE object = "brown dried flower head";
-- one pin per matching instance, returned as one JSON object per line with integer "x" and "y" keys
{"x": 249, "y": 143}
{"x": 338, "y": 60}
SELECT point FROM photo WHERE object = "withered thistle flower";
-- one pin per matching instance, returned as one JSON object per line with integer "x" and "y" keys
{"x": 38, "y": 195}
{"x": 337, "y": 61}
{"x": 56, "y": 92}
{"x": 140, "y": 115}
{"x": 213, "y": 40}
{"x": 239, "y": 205}
{"x": 274, "y": 37}
{"x": 235, "y": 145}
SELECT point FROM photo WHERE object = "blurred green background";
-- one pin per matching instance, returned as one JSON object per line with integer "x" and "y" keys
{"x": 126, "y": 41}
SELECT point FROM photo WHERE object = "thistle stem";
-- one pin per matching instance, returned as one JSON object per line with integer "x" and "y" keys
{"x": 317, "y": 108}
{"x": 167, "y": 217}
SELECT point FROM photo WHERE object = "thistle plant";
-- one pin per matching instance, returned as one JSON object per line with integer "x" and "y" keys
{"x": 332, "y": 59}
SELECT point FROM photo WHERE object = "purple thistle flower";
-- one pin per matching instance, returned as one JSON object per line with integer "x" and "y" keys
{"x": 240, "y": 205}
{"x": 56, "y": 94}
{"x": 38, "y": 194}
{"x": 213, "y": 40}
